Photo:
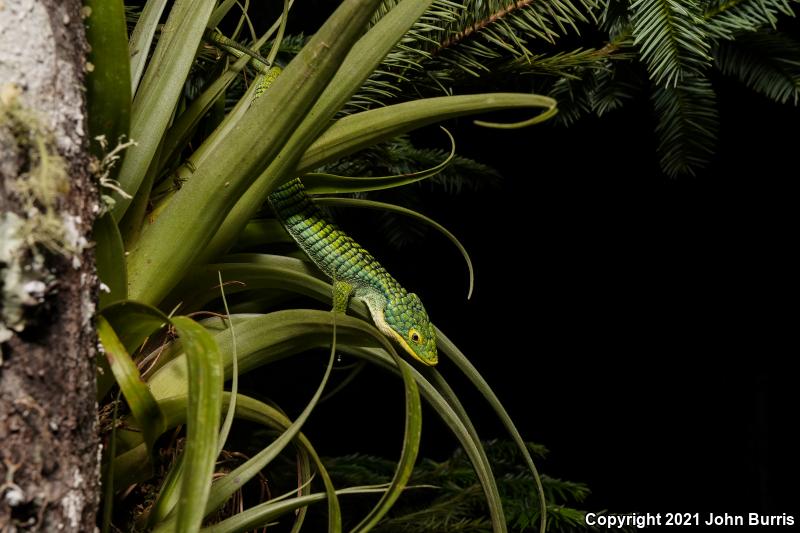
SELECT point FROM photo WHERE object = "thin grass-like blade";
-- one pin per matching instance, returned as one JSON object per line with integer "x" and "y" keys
{"x": 254, "y": 271}
{"x": 262, "y": 514}
{"x": 140, "y": 401}
{"x": 108, "y": 83}
{"x": 226, "y": 486}
{"x": 110, "y": 261}
{"x": 202, "y": 422}
{"x": 155, "y": 100}
{"x": 354, "y": 132}
{"x": 320, "y": 183}
{"x": 381, "y": 206}
{"x": 283, "y": 333}
{"x": 228, "y": 422}
{"x": 247, "y": 408}
{"x": 454, "y": 354}
{"x": 142, "y": 39}
{"x": 447, "y": 406}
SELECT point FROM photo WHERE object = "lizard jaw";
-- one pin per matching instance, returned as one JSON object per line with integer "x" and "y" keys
{"x": 380, "y": 322}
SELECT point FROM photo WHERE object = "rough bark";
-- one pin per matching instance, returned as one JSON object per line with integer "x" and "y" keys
{"x": 48, "y": 443}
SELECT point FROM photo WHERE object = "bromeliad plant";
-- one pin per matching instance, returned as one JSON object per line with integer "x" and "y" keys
{"x": 191, "y": 188}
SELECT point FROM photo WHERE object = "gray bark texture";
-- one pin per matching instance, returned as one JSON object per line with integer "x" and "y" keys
{"x": 49, "y": 450}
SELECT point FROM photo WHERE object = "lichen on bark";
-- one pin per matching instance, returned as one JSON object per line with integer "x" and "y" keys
{"x": 48, "y": 443}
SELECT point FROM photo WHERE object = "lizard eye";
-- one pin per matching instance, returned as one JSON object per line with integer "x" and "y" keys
{"x": 414, "y": 336}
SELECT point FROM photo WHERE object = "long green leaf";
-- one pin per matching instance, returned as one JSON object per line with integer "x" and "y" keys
{"x": 354, "y": 132}
{"x": 286, "y": 332}
{"x": 108, "y": 84}
{"x": 142, "y": 38}
{"x": 110, "y": 261}
{"x": 251, "y": 271}
{"x": 446, "y": 405}
{"x": 321, "y": 183}
{"x": 155, "y": 100}
{"x": 261, "y": 232}
{"x": 202, "y": 422}
{"x": 454, "y": 354}
{"x": 262, "y": 514}
{"x": 196, "y": 211}
{"x": 141, "y": 402}
{"x": 233, "y": 481}
{"x": 247, "y": 408}
{"x": 134, "y": 321}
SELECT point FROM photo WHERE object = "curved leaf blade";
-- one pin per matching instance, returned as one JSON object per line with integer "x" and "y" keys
{"x": 360, "y": 130}
{"x": 141, "y": 402}
{"x": 110, "y": 261}
{"x": 320, "y": 183}
{"x": 371, "y": 204}
{"x": 108, "y": 84}
{"x": 202, "y": 422}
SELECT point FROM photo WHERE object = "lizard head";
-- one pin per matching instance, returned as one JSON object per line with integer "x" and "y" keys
{"x": 406, "y": 321}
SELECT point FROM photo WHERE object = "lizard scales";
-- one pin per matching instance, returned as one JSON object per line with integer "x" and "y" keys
{"x": 397, "y": 313}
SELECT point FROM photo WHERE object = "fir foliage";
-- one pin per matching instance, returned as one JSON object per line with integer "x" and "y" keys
{"x": 679, "y": 43}
{"x": 458, "y": 42}
{"x": 727, "y": 18}
{"x": 767, "y": 62}
{"x": 670, "y": 38}
{"x": 447, "y": 496}
{"x": 687, "y": 125}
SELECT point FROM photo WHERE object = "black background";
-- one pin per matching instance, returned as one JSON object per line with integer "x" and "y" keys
{"x": 638, "y": 326}
{"x": 641, "y": 327}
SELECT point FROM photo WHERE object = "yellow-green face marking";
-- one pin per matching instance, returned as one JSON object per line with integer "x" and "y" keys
{"x": 411, "y": 327}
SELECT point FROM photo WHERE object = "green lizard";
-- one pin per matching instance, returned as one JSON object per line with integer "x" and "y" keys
{"x": 397, "y": 313}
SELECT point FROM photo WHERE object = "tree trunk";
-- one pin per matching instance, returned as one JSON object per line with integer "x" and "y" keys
{"x": 48, "y": 443}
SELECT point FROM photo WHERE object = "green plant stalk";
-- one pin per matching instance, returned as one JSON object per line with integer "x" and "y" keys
{"x": 193, "y": 215}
